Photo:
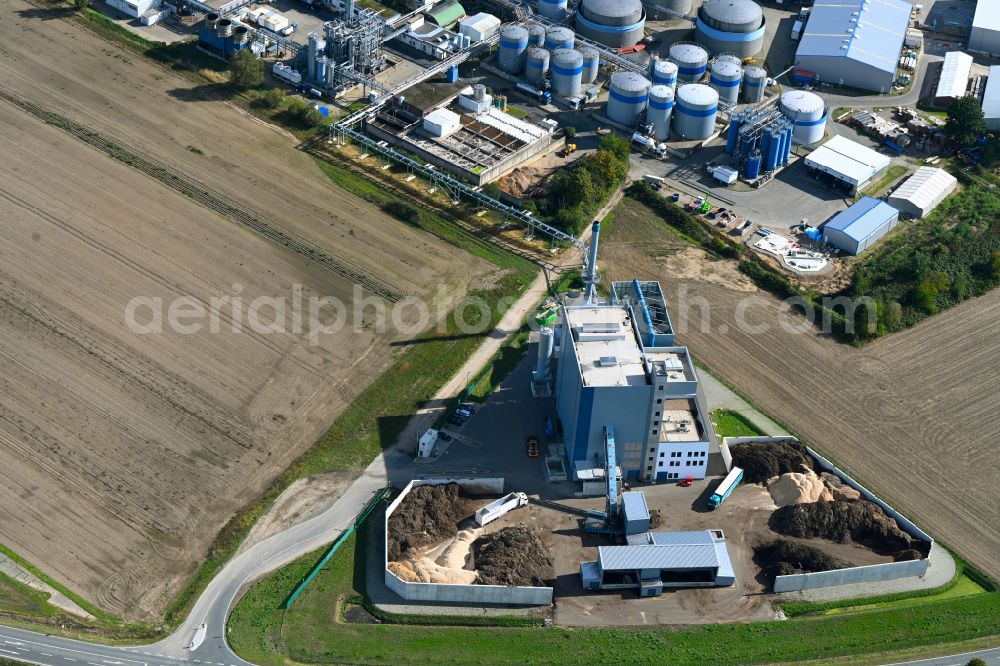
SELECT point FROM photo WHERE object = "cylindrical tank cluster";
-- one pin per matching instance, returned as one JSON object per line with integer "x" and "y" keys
{"x": 691, "y": 61}
{"x": 729, "y": 57}
{"x": 808, "y": 111}
{"x": 754, "y": 82}
{"x": 536, "y": 35}
{"x": 735, "y": 26}
{"x": 559, "y": 38}
{"x": 627, "y": 97}
{"x": 513, "y": 48}
{"x": 554, "y": 10}
{"x": 660, "y": 110}
{"x": 776, "y": 145}
{"x": 241, "y": 34}
{"x": 663, "y": 73}
{"x": 614, "y": 23}
{"x": 223, "y": 28}
{"x": 725, "y": 79}
{"x": 695, "y": 110}
{"x": 591, "y": 64}
{"x": 567, "y": 72}
{"x": 536, "y": 64}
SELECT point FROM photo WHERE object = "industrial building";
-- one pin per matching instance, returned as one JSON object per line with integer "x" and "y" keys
{"x": 855, "y": 43}
{"x": 985, "y": 35}
{"x": 759, "y": 141}
{"x": 134, "y": 8}
{"x": 923, "y": 191}
{"x": 653, "y": 561}
{"x": 847, "y": 161}
{"x": 954, "y": 78}
{"x": 991, "y": 99}
{"x": 859, "y": 227}
{"x": 731, "y": 26}
{"x": 608, "y": 375}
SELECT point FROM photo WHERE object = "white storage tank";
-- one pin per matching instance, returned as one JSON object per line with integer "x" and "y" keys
{"x": 731, "y": 26}
{"x": 660, "y": 109}
{"x": 691, "y": 61}
{"x": 513, "y": 48}
{"x": 591, "y": 64}
{"x": 315, "y": 49}
{"x": 726, "y": 79}
{"x": 694, "y": 111}
{"x": 614, "y": 23}
{"x": 567, "y": 72}
{"x": 559, "y": 38}
{"x": 537, "y": 65}
{"x": 754, "y": 83}
{"x": 664, "y": 73}
{"x": 627, "y": 97}
{"x": 808, "y": 111}
{"x": 536, "y": 35}
{"x": 554, "y": 10}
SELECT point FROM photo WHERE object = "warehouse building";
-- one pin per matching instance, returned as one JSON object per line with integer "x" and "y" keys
{"x": 923, "y": 191}
{"x": 653, "y": 561}
{"x": 608, "y": 376}
{"x": 991, "y": 99}
{"x": 859, "y": 227}
{"x": 985, "y": 35}
{"x": 848, "y": 162}
{"x": 954, "y": 79}
{"x": 855, "y": 42}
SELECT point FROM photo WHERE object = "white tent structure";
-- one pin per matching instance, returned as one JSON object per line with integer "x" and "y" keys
{"x": 923, "y": 191}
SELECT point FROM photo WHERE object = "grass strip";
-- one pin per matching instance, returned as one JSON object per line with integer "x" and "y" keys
{"x": 729, "y": 423}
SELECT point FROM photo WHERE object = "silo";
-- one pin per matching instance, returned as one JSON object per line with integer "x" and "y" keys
{"x": 537, "y": 65}
{"x": 808, "y": 111}
{"x": 559, "y": 38}
{"x": 695, "y": 111}
{"x": 536, "y": 35}
{"x": 567, "y": 72}
{"x": 679, "y": 6}
{"x": 731, "y": 26}
{"x": 734, "y": 131}
{"x": 664, "y": 73}
{"x": 554, "y": 10}
{"x": 661, "y": 106}
{"x": 614, "y": 23}
{"x": 331, "y": 71}
{"x": 546, "y": 345}
{"x": 210, "y": 20}
{"x": 223, "y": 28}
{"x": 591, "y": 63}
{"x": 789, "y": 130}
{"x": 513, "y": 48}
{"x": 241, "y": 35}
{"x": 691, "y": 61}
{"x": 729, "y": 57}
{"x": 315, "y": 49}
{"x": 321, "y": 62}
{"x": 627, "y": 97}
{"x": 754, "y": 82}
{"x": 726, "y": 78}
{"x": 751, "y": 168}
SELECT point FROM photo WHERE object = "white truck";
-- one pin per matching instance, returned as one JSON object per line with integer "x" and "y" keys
{"x": 649, "y": 145}
{"x": 425, "y": 447}
{"x": 499, "y": 507}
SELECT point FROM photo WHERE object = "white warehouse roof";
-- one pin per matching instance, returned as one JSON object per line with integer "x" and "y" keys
{"x": 987, "y": 15}
{"x": 954, "y": 75}
{"x": 848, "y": 160}
{"x": 923, "y": 191}
{"x": 991, "y": 100}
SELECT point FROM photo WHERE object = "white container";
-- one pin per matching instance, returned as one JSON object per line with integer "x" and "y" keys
{"x": 442, "y": 123}
{"x": 499, "y": 507}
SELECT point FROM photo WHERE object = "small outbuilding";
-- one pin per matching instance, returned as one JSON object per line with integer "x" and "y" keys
{"x": 848, "y": 161}
{"x": 859, "y": 227}
{"x": 635, "y": 512}
{"x": 923, "y": 191}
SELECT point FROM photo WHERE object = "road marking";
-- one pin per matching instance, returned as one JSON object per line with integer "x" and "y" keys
{"x": 9, "y": 652}
{"x": 89, "y": 654}
{"x": 69, "y": 659}
{"x": 45, "y": 654}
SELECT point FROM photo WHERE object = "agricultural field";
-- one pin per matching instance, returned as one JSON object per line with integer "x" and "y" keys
{"x": 912, "y": 416}
{"x": 125, "y": 454}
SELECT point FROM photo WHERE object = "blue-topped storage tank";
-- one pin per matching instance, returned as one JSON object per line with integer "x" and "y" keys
{"x": 751, "y": 169}
{"x": 513, "y": 48}
{"x": 734, "y": 132}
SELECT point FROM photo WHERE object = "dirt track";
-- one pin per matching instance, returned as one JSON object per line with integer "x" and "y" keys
{"x": 125, "y": 454}
{"x": 914, "y": 416}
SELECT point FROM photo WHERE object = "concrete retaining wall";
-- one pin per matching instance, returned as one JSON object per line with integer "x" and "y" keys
{"x": 470, "y": 594}
{"x": 869, "y": 574}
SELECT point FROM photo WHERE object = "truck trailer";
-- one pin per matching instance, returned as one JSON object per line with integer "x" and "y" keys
{"x": 726, "y": 487}
{"x": 499, "y": 507}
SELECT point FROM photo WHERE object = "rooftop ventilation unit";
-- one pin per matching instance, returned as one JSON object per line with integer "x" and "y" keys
{"x": 607, "y": 362}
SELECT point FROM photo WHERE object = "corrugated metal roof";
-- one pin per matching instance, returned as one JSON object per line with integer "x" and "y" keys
{"x": 629, "y": 558}
{"x": 869, "y": 31}
{"x": 634, "y": 506}
{"x": 699, "y": 538}
{"x": 848, "y": 158}
{"x": 954, "y": 75}
{"x": 987, "y": 15}
{"x": 991, "y": 99}
{"x": 725, "y": 564}
{"x": 925, "y": 186}
{"x": 447, "y": 13}
{"x": 861, "y": 219}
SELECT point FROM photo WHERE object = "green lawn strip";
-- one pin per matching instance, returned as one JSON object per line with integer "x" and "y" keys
{"x": 963, "y": 587}
{"x": 510, "y": 354}
{"x": 892, "y": 174}
{"x": 90, "y": 608}
{"x": 729, "y": 423}
{"x": 16, "y": 597}
{"x": 517, "y": 111}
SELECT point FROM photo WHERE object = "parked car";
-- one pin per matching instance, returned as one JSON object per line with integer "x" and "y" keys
{"x": 532, "y": 446}
{"x": 457, "y": 419}
{"x": 444, "y": 436}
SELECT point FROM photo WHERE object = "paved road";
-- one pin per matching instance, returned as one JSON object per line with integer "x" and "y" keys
{"x": 991, "y": 657}
{"x": 909, "y": 98}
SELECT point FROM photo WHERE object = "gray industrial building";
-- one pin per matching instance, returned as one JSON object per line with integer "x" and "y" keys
{"x": 610, "y": 374}
{"x": 860, "y": 226}
{"x": 923, "y": 191}
{"x": 855, "y": 43}
{"x": 985, "y": 35}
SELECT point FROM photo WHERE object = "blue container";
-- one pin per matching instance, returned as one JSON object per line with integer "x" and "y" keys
{"x": 451, "y": 74}
{"x": 751, "y": 169}
{"x": 734, "y": 132}
{"x": 779, "y": 136}
{"x": 771, "y": 146}
{"x": 788, "y": 143}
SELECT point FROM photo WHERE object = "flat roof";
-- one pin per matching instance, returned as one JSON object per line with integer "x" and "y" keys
{"x": 680, "y": 556}
{"x": 606, "y": 346}
{"x": 679, "y": 425}
{"x": 849, "y": 159}
{"x": 634, "y": 506}
{"x": 868, "y": 31}
{"x": 991, "y": 98}
{"x": 987, "y": 16}
{"x": 673, "y": 365}
{"x": 955, "y": 74}
{"x": 861, "y": 219}
{"x": 680, "y": 538}
{"x": 925, "y": 186}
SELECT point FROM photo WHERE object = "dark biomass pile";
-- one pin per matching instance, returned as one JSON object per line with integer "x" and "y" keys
{"x": 513, "y": 556}
{"x": 860, "y": 521}
{"x": 763, "y": 461}
{"x": 429, "y": 514}
{"x": 785, "y": 558}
